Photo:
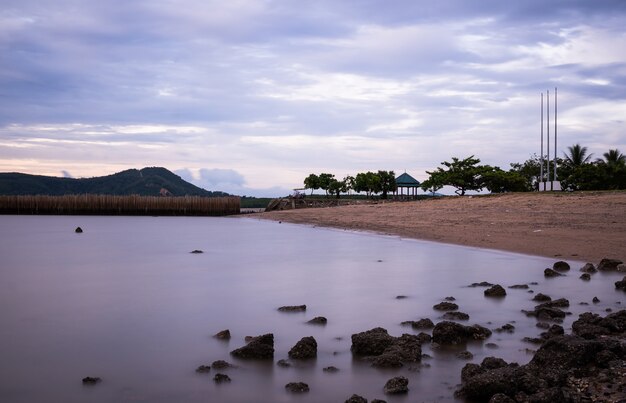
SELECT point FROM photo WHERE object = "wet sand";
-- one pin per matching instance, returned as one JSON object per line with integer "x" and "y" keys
{"x": 586, "y": 226}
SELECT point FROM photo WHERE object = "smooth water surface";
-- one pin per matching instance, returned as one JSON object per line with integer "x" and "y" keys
{"x": 127, "y": 302}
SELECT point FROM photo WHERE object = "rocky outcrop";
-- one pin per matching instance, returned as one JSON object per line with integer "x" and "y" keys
{"x": 542, "y": 298}
{"x": 260, "y": 347}
{"x": 588, "y": 268}
{"x": 423, "y": 323}
{"x": 456, "y": 315}
{"x": 318, "y": 320}
{"x": 454, "y": 333}
{"x": 292, "y": 308}
{"x": 222, "y": 335}
{"x": 396, "y": 385}
{"x": 79, "y": 230}
{"x": 203, "y": 369}
{"x": 589, "y": 365}
{"x": 331, "y": 369}
{"x": 481, "y": 284}
{"x": 304, "y": 349}
{"x": 508, "y": 328}
{"x": 221, "y": 364}
{"x": 297, "y": 387}
{"x": 385, "y": 350}
{"x": 91, "y": 380}
{"x": 446, "y": 306}
{"x": 196, "y": 251}
{"x": 551, "y": 273}
{"x": 549, "y": 310}
{"x": 495, "y": 291}
{"x": 561, "y": 266}
{"x": 621, "y": 285}
{"x": 221, "y": 378}
{"x": 585, "y": 276}
{"x": 356, "y": 399}
{"x": 609, "y": 264}
{"x": 519, "y": 287}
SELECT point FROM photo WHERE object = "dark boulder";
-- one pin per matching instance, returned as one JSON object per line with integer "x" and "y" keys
{"x": 220, "y": 364}
{"x": 304, "y": 349}
{"x": 495, "y": 291}
{"x": 450, "y": 298}
{"x": 456, "y": 316}
{"x": 385, "y": 350}
{"x": 519, "y": 287}
{"x": 609, "y": 264}
{"x": 481, "y": 284}
{"x": 371, "y": 342}
{"x": 424, "y": 337}
{"x": 292, "y": 308}
{"x": 595, "y": 300}
{"x": 283, "y": 363}
{"x": 560, "y": 266}
{"x": 330, "y": 369}
{"x": 396, "y": 385}
{"x": 588, "y": 268}
{"x": 551, "y": 273}
{"x": 454, "y": 333}
{"x": 501, "y": 398}
{"x": 318, "y": 320}
{"x": 424, "y": 323}
{"x": 221, "y": 378}
{"x": 465, "y": 355}
{"x": 356, "y": 399}
{"x": 446, "y": 306}
{"x": 591, "y": 326}
{"x": 509, "y": 328}
{"x": 91, "y": 380}
{"x": 203, "y": 369}
{"x": 401, "y": 297}
{"x": 621, "y": 285}
{"x": 196, "y": 251}
{"x": 79, "y": 230}
{"x": 222, "y": 335}
{"x": 585, "y": 276}
{"x": 297, "y": 387}
{"x": 541, "y": 298}
{"x": 260, "y": 347}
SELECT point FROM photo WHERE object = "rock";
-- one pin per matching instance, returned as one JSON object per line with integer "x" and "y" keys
{"x": 588, "y": 268}
{"x": 543, "y": 325}
{"x": 220, "y": 364}
{"x": 379, "y": 401}
{"x": 481, "y": 284}
{"x": 283, "y": 363}
{"x": 79, "y": 230}
{"x": 305, "y": 349}
{"x": 297, "y": 387}
{"x": 621, "y": 285}
{"x": 519, "y": 287}
{"x": 401, "y": 297}
{"x": 492, "y": 345}
{"x": 454, "y": 333}
{"x": 424, "y": 337}
{"x": 318, "y": 320}
{"x": 609, "y": 264}
{"x": 465, "y": 355}
{"x": 591, "y": 326}
{"x": 595, "y": 300}
{"x": 446, "y": 306}
{"x": 424, "y": 323}
{"x": 621, "y": 268}
{"x": 585, "y": 276}
{"x": 89, "y": 380}
{"x": 495, "y": 291}
{"x": 196, "y": 251}
{"x": 561, "y": 266}
{"x": 450, "y": 299}
{"x": 260, "y": 347}
{"x": 221, "y": 378}
{"x": 292, "y": 308}
{"x": 553, "y": 331}
{"x": 203, "y": 369}
{"x": 551, "y": 273}
{"x": 222, "y": 335}
{"x": 541, "y": 298}
{"x": 356, "y": 399}
{"x": 385, "y": 350}
{"x": 397, "y": 385}
{"x": 501, "y": 398}
{"x": 557, "y": 303}
{"x": 506, "y": 328}
{"x": 331, "y": 369}
{"x": 456, "y": 316}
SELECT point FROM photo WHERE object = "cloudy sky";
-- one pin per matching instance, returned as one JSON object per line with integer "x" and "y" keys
{"x": 250, "y": 96}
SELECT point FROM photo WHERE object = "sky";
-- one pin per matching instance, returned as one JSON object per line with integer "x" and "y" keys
{"x": 251, "y": 96}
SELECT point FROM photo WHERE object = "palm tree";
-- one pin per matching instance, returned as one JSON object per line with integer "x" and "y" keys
{"x": 577, "y": 156}
{"x": 613, "y": 158}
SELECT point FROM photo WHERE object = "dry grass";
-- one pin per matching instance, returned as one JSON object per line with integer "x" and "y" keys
{"x": 119, "y": 205}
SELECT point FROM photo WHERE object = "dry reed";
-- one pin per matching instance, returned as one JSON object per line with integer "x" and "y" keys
{"x": 89, "y": 204}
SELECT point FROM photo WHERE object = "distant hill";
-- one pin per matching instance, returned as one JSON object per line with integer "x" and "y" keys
{"x": 153, "y": 181}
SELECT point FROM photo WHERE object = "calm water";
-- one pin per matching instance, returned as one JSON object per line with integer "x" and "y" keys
{"x": 127, "y": 302}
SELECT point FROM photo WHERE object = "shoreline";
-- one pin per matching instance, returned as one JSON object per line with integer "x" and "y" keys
{"x": 582, "y": 226}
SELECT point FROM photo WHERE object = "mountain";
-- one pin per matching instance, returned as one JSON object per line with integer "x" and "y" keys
{"x": 153, "y": 181}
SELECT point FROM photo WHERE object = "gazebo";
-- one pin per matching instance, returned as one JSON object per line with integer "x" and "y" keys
{"x": 410, "y": 183}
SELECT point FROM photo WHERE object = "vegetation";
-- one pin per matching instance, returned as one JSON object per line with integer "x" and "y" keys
{"x": 145, "y": 182}
{"x": 120, "y": 205}
{"x": 369, "y": 182}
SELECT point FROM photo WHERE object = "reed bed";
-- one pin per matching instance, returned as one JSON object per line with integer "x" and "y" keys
{"x": 89, "y": 204}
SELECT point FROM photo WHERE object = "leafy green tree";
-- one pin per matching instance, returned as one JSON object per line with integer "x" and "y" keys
{"x": 498, "y": 181}
{"x": 325, "y": 180}
{"x": 614, "y": 166}
{"x": 368, "y": 182}
{"x": 312, "y": 182}
{"x": 349, "y": 181}
{"x": 337, "y": 187}
{"x": 587, "y": 177}
{"x": 463, "y": 174}
{"x": 387, "y": 182}
{"x": 577, "y": 156}
{"x": 613, "y": 157}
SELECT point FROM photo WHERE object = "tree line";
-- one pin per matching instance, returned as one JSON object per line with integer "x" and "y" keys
{"x": 371, "y": 183}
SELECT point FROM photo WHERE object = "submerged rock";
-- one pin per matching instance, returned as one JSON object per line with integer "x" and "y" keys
{"x": 454, "y": 333}
{"x": 561, "y": 266}
{"x": 495, "y": 291}
{"x": 396, "y": 385}
{"x": 304, "y": 349}
{"x": 196, "y": 251}
{"x": 385, "y": 350}
{"x": 221, "y": 378}
{"x": 222, "y": 335}
{"x": 519, "y": 287}
{"x": 331, "y": 369}
{"x": 509, "y": 328}
{"x": 356, "y": 399}
{"x": 621, "y": 285}
{"x": 318, "y": 320}
{"x": 609, "y": 264}
{"x": 446, "y": 306}
{"x": 221, "y": 364}
{"x": 541, "y": 297}
{"x": 283, "y": 363}
{"x": 79, "y": 230}
{"x": 588, "y": 268}
{"x": 203, "y": 369}
{"x": 465, "y": 355}
{"x": 481, "y": 284}
{"x": 297, "y": 387}
{"x": 423, "y": 323}
{"x": 91, "y": 380}
{"x": 551, "y": 273}
{"x": 292, "y": 308}
{"x": 456, "y": 316}
{"x": 585, "y": 276}
{"x": 260, "y": 347}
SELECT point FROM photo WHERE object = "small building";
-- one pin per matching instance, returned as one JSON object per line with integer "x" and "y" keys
{"x": 406, "y": 181}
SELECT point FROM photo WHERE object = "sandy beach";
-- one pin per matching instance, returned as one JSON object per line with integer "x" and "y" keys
{"x": 586, "y": 226}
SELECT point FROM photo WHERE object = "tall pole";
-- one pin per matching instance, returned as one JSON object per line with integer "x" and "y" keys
{"x": 548, "y": 135}
{"x": 555, "y": 133}
{"x": 541, "y": 155}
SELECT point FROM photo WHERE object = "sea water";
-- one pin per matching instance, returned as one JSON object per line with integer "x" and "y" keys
{"x": 126, "y": 301}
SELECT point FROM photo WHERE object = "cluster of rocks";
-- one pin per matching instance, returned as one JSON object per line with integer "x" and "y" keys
{"x": 549, "y": 310}
{"x": 588, "y": 365}
{"x": 386, "y": 351}
{"x": 447, "y": 332}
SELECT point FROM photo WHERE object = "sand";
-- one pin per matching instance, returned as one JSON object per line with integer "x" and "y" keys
{"x": 584, "y": 226}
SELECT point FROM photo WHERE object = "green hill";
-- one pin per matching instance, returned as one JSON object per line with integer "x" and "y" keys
{"x": 153, "y": 181}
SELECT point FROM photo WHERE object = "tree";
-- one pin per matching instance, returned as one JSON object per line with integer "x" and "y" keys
{"x": 367, "y": 182}
{"x": 312, "y": 182}
{"x": 613, "y": 157}
{"x": 387, "y": 182}
{"x": 463, "y": 174}
{"x": 337, "y": 187}
{"x": 577, "y": 156}
{"x": 614, "y": 166}
{"x": 325, "y": 180}
{"x": 498, "y": 181}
